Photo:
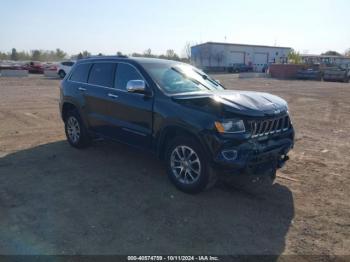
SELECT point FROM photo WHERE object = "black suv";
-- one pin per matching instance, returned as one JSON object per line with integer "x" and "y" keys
{"x": 188, "y": 119}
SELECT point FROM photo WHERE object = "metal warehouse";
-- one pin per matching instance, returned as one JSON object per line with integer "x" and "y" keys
{"x": 214, "y": 56}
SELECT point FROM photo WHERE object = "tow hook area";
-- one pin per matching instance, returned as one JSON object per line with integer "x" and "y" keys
{"x": 281, "y": 162}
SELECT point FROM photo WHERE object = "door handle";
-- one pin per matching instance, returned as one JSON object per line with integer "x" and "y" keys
{"x": 112, "y": 95}
{"x": 82, "y": 89}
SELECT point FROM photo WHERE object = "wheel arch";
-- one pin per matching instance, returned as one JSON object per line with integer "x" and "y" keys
{"x": 66, "y": 107}
{"x": 69, "y": 106}
{"x": 168, "y": 133}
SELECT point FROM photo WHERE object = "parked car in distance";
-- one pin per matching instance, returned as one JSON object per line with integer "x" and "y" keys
{"x": 336, "y": 74}
{"x": 309, "y": 74}
{"x": 265, "y": 68}
{"x": 50, "y": 67}
{"x": 5, "y": 66}
{"x": 34, "y": 67}
{"x": 63, "y": 68}
{"x": 238, "y": 68}
{"x": 190, "y": 121}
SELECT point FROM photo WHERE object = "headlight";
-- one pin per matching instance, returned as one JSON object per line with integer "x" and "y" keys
{"x": 230, "y": 126}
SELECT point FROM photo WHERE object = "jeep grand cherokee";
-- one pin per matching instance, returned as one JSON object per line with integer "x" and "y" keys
{"x": 189, "y": 120}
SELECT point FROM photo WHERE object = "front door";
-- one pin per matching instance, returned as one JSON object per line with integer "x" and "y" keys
{"x": 131, "y": 113}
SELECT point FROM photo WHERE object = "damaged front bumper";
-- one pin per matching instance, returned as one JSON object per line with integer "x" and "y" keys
{"x": 254, "y": 156}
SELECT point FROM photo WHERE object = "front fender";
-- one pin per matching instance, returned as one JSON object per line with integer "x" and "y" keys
{"x": 171, "y": 129}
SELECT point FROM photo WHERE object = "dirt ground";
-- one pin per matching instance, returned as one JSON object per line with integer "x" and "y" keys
{"x": 112, "y": 199}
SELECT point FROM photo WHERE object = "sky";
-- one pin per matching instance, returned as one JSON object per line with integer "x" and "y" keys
{"x": 108, "y": 26}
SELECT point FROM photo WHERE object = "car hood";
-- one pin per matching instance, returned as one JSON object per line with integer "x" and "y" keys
{"x": 239, "y": 102}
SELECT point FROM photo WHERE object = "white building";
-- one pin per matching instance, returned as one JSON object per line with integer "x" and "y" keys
{"x": 213, "y": 56}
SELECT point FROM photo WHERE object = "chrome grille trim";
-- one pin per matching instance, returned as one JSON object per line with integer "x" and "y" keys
{"x": 271, "y": 126}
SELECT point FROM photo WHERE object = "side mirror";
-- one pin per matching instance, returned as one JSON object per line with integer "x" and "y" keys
{"x": 136, "y": 86}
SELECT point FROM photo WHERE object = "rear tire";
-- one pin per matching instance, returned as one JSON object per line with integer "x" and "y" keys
{"x": 76, "y": 132}
{"x": 187, "y": 166}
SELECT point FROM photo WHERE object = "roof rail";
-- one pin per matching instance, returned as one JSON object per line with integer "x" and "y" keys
{"x": 105, "y": 56}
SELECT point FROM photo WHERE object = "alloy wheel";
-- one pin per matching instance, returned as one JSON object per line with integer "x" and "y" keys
{"x": 185, "y": 164}
{"x": 73, "y": 129}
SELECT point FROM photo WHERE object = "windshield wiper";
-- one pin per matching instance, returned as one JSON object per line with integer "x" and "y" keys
{"x": 205, "y": 77}
{"x": 189, "y": 78}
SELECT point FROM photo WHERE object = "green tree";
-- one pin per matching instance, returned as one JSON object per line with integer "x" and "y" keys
{"x": 170, "y": 53}
{"x": 23, "y": 55}
{"x": 14, "y": 54}
{"x": 81, "y": 55}
{"x": 36, "y": 55}
{"x": 148, "y": 53}
{"x": 347, "y": 52}
{"x": 4, "y": 56}
{"x": 187, "y": 50}
{"x": 60, "y": 54}
{"x": 294, "y": 57}
{"x": 330, "y": 52}
{"x": 86, "y": 54}
{"x": 136, "y": 55}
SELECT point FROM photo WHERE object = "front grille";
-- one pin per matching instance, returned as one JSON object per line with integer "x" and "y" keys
{"x": 269, "y": 126}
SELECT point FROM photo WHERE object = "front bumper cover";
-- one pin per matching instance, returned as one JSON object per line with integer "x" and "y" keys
{"x": 256, "y": 157}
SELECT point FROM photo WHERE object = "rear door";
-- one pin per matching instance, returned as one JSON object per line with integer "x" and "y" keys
{"x": 78, "y": 85}
{"x": 98, "y": 97}
{"x": 131, "y": 113}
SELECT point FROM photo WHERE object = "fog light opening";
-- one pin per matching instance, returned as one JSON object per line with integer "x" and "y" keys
{"x": 230, "y": 154}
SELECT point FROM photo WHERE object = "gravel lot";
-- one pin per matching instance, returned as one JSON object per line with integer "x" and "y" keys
{"x": 112, "y": 199}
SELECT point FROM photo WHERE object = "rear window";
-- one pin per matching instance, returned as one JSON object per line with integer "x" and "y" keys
{"x": 102, "y": 74}
{"x": 68, "y": 63}
{"x": 80, "y": 73}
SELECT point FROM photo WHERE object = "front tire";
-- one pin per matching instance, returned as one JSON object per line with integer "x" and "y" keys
{"x": 188, "y": 167}
{"x": 76, "y": 133}
{"x": 62, "y": 74}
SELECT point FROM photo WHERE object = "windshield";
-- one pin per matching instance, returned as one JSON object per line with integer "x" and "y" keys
{"x": 181, "y": 78}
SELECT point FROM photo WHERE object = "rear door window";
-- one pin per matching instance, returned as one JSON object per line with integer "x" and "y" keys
{"x": 68, "y": 63}
{"x": 80, "y": 73}
{"x": 125, "y": 73}
{"x": 102, "y": 74}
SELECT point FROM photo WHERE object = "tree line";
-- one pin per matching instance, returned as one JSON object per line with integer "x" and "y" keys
{"x": 34, "y": 55}
{"x": 58, "y": 54}
{"x": 169, "y": 54}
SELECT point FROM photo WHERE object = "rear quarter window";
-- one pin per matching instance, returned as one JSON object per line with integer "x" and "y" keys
{"x": 80, "y": 73}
